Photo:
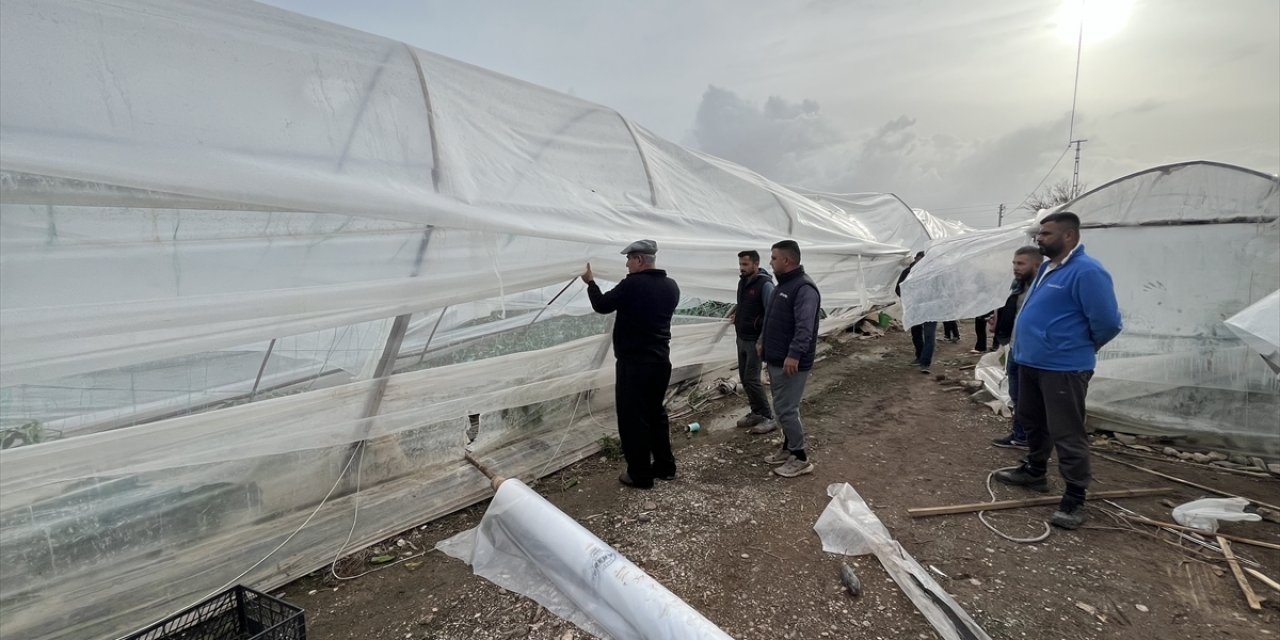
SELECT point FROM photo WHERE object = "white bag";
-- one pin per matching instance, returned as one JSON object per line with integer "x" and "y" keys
{"x": 1206, "y": 512}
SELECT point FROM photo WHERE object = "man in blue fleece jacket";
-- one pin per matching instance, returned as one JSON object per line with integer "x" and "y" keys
{"x": 1069, "y": 314}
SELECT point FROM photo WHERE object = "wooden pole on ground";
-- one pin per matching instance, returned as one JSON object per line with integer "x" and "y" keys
{"x": 1263, "y": 578}
{"x": 1028, "y": 502}
{"x": 1207, "y": 534}
{"x": 1188, "y": 482}
{"x": 1249, "y": 595}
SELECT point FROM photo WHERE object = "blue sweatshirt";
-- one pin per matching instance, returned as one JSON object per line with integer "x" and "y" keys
{"x": 1068, "y": 315}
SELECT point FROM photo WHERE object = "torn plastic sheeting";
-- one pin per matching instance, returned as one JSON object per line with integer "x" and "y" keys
{"x": 1258, "y": 325}
{"x": 993, "y": 375}
{"x": 527, "y": 545}
{"x": 848, "y": 526}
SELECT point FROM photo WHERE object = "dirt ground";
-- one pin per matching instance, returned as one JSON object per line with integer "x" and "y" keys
{"x": 737, "y": 542}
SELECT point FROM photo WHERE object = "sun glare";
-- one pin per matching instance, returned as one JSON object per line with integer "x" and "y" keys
{"x": 1102, "y": 19}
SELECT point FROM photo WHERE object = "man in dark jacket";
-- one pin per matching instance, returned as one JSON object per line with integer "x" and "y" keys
{"x": 645, "y": 301}
{"x": 1070, "y": 313}
{"x": 755, "y": 288}
{"x": 1025, "y": 261}
{"x": 788, "y": 344}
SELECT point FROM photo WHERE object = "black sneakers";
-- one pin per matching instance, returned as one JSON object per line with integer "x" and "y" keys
{"x": 1022, "y": 477}
{"x": 1009, "y": 442}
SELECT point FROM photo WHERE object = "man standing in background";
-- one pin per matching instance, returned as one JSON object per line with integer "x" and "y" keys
{"x": 755, "y": 288}
{"x": 951, "y": 331}
{"x": 645, "y": 301}
{"x": 1025, "y": 261}
{"x": 788, "y": 344}
{"x": 923, "y": 335}
{"x": 1069, "y": 314}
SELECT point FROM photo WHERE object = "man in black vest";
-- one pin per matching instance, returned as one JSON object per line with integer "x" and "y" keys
{"x": 1025, "y": 263}
{"x": 645, "y": 301}
{"x": 788, "y": 343}
{"x": 755, "y": 288}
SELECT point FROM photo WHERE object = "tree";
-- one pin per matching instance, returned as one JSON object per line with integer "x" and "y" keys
{"x": 1052, "y": 196}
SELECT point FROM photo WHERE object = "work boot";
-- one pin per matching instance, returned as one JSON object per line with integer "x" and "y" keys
{"x": 750, "y": 420}
{"x": 768, "y": 426}
{"x": 1070, "y": 514}
{"x": 1023, "y": 477}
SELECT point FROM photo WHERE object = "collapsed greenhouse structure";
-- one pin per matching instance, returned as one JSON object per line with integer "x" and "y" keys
{"x": 266, "y": 283}
{"x": 1194, "y": 252}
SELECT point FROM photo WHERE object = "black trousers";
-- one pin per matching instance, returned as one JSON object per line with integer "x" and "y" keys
{"x": 643, "y": 428}
{"x": 951, "y": 329}
{"x": 980, "y": 330}
{"x": 1051, "y": 410}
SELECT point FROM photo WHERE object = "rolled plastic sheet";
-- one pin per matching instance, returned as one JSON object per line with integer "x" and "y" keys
{"x": 525, "y": 544}
{"x": 848, "y": 526}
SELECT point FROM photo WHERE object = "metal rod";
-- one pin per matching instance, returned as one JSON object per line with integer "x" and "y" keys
{"x": 644, "y": 160}
{"x": 263, "y": 367}
{"x": 431, "y": 119}
{"x": 548, "y": 305}
{"x": 422, "y": 356}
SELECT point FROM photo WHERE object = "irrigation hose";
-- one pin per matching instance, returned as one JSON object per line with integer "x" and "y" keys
{"x": 982, "y": 516}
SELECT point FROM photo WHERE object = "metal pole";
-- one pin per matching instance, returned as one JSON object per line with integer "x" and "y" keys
{"x": 387, "y": 363}
{"x": 1075, "y": 177}
{"x": 1000, "y": 216}
{"x": 263, "y": 367}
{"x": 547, "y": 305}
{"x": 423, "y": 355}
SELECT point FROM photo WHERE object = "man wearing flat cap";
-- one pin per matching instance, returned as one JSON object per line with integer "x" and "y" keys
{"x": 645, "y": 301}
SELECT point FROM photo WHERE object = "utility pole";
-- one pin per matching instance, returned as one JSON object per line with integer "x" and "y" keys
{"x": 1000, "y": 218}
{"x": 1075, "y": 177}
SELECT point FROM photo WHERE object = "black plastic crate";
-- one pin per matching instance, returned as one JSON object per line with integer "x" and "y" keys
{"x": 239, "y": 613}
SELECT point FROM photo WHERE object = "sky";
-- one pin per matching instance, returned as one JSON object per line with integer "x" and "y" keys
{"x": 956, "y": 107}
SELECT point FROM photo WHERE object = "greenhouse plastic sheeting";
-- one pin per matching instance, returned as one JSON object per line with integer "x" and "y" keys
{"x": 887, "y": 218}
{"x": 1259, "y": 327}
{"x": 257, "y": 270}
{"x": 1188, "y": 246}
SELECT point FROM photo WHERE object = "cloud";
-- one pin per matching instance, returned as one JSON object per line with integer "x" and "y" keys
{"x": 1145, "y": 106}
{"x": 771, "y": 137}
{"x": 794, "y": 142}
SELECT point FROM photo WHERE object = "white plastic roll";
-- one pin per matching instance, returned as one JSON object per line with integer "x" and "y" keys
{"x": 527, "y": 545}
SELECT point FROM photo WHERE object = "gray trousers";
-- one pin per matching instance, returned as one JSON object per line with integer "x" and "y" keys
{"x": 749, "y": 374}
{"x": 787, "y": 392}
{"x": 1051, "y": 409}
